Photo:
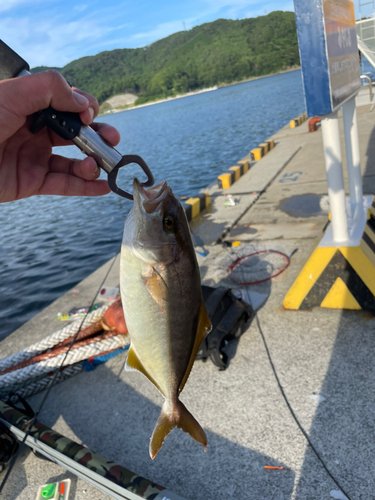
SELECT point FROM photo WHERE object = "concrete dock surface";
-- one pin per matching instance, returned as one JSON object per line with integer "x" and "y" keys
{"x": 323, "y": 359}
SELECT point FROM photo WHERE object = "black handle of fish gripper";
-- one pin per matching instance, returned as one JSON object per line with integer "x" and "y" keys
{"x": 65, "y": 124}
{"x": 126, "y": 159}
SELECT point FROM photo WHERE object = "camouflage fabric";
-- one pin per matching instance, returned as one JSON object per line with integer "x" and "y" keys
{"x": 119, "y": 475}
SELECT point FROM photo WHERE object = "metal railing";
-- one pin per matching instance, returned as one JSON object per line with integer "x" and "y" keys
{"x": 370, "y": 89}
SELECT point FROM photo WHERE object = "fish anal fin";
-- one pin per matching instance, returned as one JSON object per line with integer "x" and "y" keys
{"x": 133, "y": 363}
{"x": 155, "y": 286}
{"x": 204, "y": 328}
{"x": 171, "y": 417}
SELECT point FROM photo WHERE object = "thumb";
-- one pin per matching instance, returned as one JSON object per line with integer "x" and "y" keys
{"x": 28, "y": 94}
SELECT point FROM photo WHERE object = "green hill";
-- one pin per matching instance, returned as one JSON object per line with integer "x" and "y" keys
{"x": 219, "y": 52}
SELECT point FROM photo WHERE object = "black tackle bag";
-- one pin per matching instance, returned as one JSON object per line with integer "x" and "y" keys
{"x": 8, "y": 446}
{"x": 8, "y": 442}
{"x": 228, "y": 316}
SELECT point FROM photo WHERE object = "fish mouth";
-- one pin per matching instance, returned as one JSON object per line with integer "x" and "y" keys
{"x": 149, "y": 199}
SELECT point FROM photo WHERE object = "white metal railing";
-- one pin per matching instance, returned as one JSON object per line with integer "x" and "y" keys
{"x": 366, "y": 31}
{"x": 365, "y": 28}
{"x": 370, "y": 89}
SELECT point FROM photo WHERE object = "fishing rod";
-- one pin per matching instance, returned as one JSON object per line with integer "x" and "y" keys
{"x": 30, "y": 423}
{"x": 70, "y": 127}
{"x": 110, "y": 478}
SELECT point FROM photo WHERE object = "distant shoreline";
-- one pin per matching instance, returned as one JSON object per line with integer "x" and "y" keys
{"x": 188, "y": 94}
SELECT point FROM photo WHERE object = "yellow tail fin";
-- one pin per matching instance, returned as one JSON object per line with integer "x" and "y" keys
{"x": 172, "y": 416}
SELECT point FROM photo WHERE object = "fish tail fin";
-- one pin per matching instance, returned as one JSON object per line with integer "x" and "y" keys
{"x": 172, "y": 416}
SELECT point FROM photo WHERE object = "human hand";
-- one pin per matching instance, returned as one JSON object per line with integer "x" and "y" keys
{"x": 27, "y": 165}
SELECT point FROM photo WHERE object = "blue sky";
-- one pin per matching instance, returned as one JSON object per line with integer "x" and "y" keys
{"x": 55, "y": 32}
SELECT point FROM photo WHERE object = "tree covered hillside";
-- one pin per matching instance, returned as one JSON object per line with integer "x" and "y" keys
{"x": 214, "y": 53}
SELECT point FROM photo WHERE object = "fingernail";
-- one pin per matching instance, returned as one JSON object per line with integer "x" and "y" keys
{"x": 97, "y": 172}
{"x": 91, "y": 113}
{"x": 80, "y": 98}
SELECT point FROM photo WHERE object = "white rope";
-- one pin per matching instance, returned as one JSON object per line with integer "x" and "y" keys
{"x": 73, "y": 357}
{"x": 19, "y": 385}
{"x": 52, "y": 340}
{"x": 47, "y": 381}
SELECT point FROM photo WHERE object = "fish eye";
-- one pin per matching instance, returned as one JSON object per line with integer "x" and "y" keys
{"x": 169, "y": 223}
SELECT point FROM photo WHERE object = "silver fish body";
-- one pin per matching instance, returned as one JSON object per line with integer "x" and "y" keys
{"x": 162, "y": 301}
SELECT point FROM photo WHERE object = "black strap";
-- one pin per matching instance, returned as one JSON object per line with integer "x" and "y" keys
{"x": 27, "y": 410}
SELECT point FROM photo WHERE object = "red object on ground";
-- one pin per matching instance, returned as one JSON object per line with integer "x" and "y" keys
{"x": 312, "y": 123}
{"x": 114, "y": 318}
{"x": 83, "y": 334}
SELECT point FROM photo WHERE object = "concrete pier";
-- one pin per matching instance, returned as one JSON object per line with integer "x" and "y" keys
{"x": 323, "y": 358}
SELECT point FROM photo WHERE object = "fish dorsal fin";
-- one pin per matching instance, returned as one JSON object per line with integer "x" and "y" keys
{"x": 134, "y": 364}
{"x": 156, "y": 287}
{"x": 204, "y": 328}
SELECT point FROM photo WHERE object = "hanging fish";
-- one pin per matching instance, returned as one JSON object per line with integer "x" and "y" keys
{"x": 163, "y": 305}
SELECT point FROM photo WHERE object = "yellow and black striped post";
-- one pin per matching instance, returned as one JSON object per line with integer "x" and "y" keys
{"x": 334, "y": 278}
{"x": 195, "y": 205}
{"x": 338, "y": 277}
{"x": 368, "y": 238}
{"x": 244, "y": 164}
{"x": 262, "y": 149}
{"x": 298, "y": 121}
{"x": 257, "y": 153}
{"x": 226, "y": 179}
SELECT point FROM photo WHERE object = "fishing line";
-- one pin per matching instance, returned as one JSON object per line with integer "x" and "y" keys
{"x": 32, "y": 421}
{"x": 283, "y": 392}
{"x": 292, "y": 411}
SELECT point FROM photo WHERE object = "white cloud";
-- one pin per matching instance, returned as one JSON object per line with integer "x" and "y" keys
{"x": 161, "y": 31}
{"x": 268, "y": 8}
{"x": 51, "y": 42}
{"x": 11, "y": 4}
{"x": 234, "y": 9}
{"x": 218, "y": 4}
{"x": 80, "y": 8}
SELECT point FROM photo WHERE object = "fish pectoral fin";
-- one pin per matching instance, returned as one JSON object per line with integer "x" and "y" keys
{"x": 156, "y": 287}
{"x": 133, "y": 363}
{"x": 204, "y": 328}
{"x": 172, "y": 416}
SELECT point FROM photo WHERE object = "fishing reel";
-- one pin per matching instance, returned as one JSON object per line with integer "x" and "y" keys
{"x": 70, "y": 127}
